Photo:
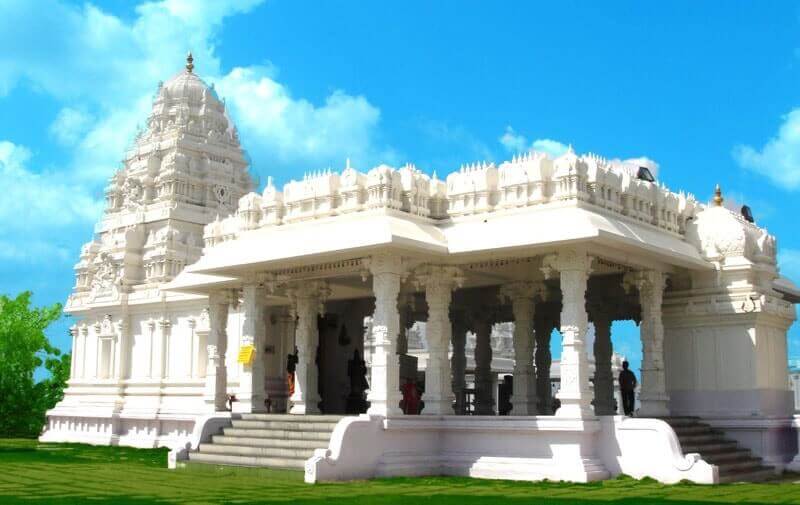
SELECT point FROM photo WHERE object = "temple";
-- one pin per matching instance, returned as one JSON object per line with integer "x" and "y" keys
{"x": 346, "y": 323}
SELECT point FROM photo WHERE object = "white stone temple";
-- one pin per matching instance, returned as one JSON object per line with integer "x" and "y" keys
{"x": 197, "y": 296}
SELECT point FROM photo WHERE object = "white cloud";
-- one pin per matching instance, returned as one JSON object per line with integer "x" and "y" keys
{"x": 515, "y": 142}
{"x": 552, "y": 147}
{"x": 779, "y": 158}
{"x": 37, "y": 206}
{"x": 105, "y": 70}
{"x": 286, "y": 129}
{"x": 70, "y": 124}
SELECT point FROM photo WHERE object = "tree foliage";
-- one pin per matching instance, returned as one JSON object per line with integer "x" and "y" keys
{"x": 23, "y": 349}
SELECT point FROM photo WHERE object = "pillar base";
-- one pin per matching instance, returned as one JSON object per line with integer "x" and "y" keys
{"x": 523, "y": 408}
{"x": 303, "y": 409}
{"x": 437, "y": 407}
{"x": 574, "y": 409}
{"x": 653, "y": 407}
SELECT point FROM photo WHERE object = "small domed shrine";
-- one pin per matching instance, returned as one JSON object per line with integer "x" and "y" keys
{"x": 230, "y": 324}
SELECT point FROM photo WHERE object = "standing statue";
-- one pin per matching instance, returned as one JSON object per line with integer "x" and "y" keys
{"x": 291, "y": 366}
{"x": 357, "y": 371}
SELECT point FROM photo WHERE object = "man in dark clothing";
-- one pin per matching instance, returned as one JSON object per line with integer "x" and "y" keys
{"x": 627, "y": 385}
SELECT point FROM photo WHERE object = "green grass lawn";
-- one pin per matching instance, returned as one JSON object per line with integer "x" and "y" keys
{"x": 31, "y": 472}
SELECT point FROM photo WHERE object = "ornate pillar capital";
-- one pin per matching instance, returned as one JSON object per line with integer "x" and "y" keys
{"x": 432, "y": 277}
{"x": 645, "y": 281}
{"x": 383, "y": 263}
{"x": 303, "y": 292}
{"x": 567, "y": 260}
{"x": 522, "y": 290}
{"x": 223, "y": 297}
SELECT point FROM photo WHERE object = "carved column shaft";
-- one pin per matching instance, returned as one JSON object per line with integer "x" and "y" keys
{"x": 603, "y": 377}
{"x": 522, "y": 296}
{"x": 251, "y": 379}
{"x": 122, "y": 350}
{"x": 285, "y": 330}
{"x": 164, "y": 335}
{"x": 439, "y": 282}
{"x": 484, "y": 401}
{"x": 384, "y": 393}
{"x": 544, "y": 392}
{"x": 653, "y": 394}
{"x": 274, "y": 361}
{"x": 459, "y": 362}
{"x": 307, "y": 299}
{"x": 575, "y": 393}
{"x": 216, "y": 394}
{"x": 406, "y": 322}
{"x": 73, "y": 365}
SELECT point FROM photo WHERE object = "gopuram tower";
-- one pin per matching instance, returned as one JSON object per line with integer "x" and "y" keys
{"x": 133, "y": 342}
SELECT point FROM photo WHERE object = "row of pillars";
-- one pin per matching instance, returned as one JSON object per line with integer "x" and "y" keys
{"x": 572, "y": 267}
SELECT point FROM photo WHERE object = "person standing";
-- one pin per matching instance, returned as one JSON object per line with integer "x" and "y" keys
{"x": 627, "y": 386}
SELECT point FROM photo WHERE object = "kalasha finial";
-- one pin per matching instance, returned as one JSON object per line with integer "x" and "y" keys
{"x": 189, "y": 62}
{"x": 718, "y": 196}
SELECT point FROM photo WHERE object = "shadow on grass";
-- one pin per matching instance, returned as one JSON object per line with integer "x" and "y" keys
{"x": 32, "y": 451}
{"x": 33, "y": 473}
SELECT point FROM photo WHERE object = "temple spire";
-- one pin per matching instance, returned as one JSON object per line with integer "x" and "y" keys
{"x": 718, "y": 196}
{"x": 189, "y": 62}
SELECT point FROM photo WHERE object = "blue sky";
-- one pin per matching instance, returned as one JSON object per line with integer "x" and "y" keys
{"x": 708, "y": 90}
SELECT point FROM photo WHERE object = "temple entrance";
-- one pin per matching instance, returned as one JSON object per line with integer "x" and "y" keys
{"x": 341, "y": 341}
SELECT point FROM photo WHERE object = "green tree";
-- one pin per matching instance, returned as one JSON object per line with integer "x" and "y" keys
{"x": 24, "y": 348}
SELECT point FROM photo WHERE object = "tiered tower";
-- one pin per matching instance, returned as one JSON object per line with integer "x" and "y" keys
{"x": 139, "y": 352}
{"x": 183, "y": 170}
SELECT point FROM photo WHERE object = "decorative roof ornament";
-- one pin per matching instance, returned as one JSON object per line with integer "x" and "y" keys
{"x": 189, "y": 62}
{"x": 718, "y": 196}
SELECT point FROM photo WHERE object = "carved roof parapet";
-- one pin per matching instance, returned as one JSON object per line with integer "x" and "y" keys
{"x": 725, "y": 237}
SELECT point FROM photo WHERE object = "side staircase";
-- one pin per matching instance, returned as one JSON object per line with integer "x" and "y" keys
{"x": 268, "y": 440}
{"x": 735, "y": 464}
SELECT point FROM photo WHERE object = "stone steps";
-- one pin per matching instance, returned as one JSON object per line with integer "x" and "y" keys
{"x": 227, "y": 459}
{"x": 267, "y": 440}
{"x": 262, "y": 452}
{"x": 283, "y": 425}
{"x": 277, "y": 434}
{"x": 726, "y": 455}
{"x": 761, "y": 475}
{"x": 734, "y": 463}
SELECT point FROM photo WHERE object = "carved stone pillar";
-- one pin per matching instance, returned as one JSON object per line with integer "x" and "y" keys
{"x": 484, "y": 385}
{"x": 84, "y": 357}
{"x": 250, "y": 397}
{"x": 522, "y": 296}
{"x": 406, "y": 310}
{"x": 164, "y": 335}
{"x": 384, "y": 393}
{"x": 458, "y": 362}
{"x": 439, "y": 283}
{"x": 215, "y": 394}
{"x": 603, "y": 377}
{"x": 308, "y": 300}
{"x": 285, "y": 331}
{"x": 544, "y": 324}
{"x": 275, "y": 392}
{"x": 122, "y": 349}
{"x": 653, "y": 396}
{"x": 73, "y": 364}
{"x": 575, "y": 394}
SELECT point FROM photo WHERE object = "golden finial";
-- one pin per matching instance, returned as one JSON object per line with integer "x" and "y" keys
{"x": 718, "y": 196}
{"x": 189, "y": 62}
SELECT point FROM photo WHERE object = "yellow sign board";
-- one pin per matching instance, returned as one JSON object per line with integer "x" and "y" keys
{"x": 246, "y": 354}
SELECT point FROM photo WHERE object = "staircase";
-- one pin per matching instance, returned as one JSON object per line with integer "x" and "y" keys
{"x": 268, "y": 440}
{"x": 735, "y": 464}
